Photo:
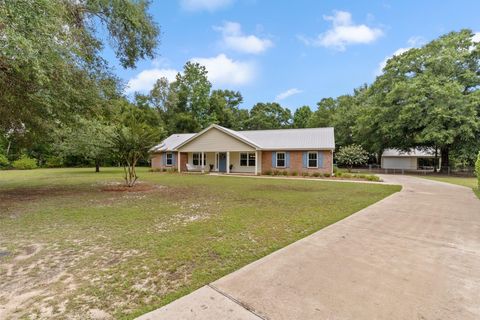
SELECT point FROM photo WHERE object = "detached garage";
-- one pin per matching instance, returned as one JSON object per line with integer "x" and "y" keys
{"x": 415, "y": 159}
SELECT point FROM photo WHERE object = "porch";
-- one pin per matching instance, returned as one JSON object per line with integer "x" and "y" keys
{"x": 247, "y": 162}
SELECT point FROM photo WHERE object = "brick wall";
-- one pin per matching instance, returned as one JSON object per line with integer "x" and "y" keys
{"x": 296, "y": 162}
{"x": 157, "y": 161}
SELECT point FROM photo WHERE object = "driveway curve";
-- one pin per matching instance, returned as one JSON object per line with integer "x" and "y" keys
{"x": 413, "y": 255}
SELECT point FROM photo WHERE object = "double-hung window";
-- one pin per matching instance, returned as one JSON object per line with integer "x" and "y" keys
{"x": 251, "y": 159}
{"x": 169, "y": 159}
{"x": 281, "y": 159}
{"x": 313, "y": 159}
{"x": 196, "y": 159}
{"x": 247, "y": 159}
{"x": 244, "y": 159}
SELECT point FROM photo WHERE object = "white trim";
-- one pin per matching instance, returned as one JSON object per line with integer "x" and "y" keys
{"x": 284, "y": 159}
{"x": 256, "y": 162}
{"x": 178, "y": 161}
{"x": 308, "y": 159}
{"x": 222, "y": 129}
{"x": 228, "y": 162}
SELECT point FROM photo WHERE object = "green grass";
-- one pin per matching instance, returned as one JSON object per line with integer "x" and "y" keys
{"x": 85, "y": 245}
{"x": 470, "y": 182}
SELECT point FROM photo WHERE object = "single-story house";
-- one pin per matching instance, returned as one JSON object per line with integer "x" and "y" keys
{"x": 414, "y": 159}
{"x": 219, "y": 149}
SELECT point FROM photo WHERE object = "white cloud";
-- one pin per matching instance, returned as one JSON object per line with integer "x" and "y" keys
{"x": 144, "y": 81}
{"x": 476, "y": 37}
{"x": 233, "y": 38}
{"x": 285, "y": 94}
{"x": 208, "y": 5}
{"x": 343, "y": 33}
{"x": 225, "y": 71}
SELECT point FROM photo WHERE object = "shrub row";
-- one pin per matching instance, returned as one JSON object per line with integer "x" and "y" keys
{"x": 23, "y": 163}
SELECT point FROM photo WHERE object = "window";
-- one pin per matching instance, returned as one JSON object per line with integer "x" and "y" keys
{"x": 243, "y": 159}
{"x": 281, "y": 159}
{"x": 169, "y": 158}
{"x": 313, "y": 159}
{"x": 196, "y": 159}
{"x": 247, "y": 159}
{"x": 251, "y": 159}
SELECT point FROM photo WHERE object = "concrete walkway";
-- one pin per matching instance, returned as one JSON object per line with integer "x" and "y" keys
{"x": 413, "y": 255}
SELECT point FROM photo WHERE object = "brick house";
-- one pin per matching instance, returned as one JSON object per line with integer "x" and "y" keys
{"x": 249, "y": 152}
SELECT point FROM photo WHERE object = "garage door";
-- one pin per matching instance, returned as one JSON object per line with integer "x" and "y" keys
{"x": 400, "y": 163}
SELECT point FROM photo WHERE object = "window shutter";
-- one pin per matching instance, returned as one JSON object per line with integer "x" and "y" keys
{"x": 174, "y": 158}
{"x": 287, "y": 159}
{"x": 305, "y": 159}
{"x": 164, "y": 158}
{"x": 320, "y": 159}
{"x": 274, "y": 159}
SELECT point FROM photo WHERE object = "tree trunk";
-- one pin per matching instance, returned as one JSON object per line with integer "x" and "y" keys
{"x": 444, "y": 153}
{"x": 435, "y": 160}
{"x": 97, "y": 166}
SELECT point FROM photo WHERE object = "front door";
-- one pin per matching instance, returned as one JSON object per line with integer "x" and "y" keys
{"x": 222, "y": 162}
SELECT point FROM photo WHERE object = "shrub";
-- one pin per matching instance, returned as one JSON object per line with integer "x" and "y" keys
{"x": 335, "y": 168}
{"x": 305, "y": 174}
{"x": 172, "y": 170}
{"x": 477, "y": 169}
{"x": 352, "y": 155}
{"x": 371, "y": 177}
{"x": 155, "y": 170}
{"x": 276, "y": 172}
{"x": 347, "y": 175}
{"x": 294, "y": 173}
{"x": 285, "y": 173}
{"x": 54, "y": 162}
{"x": 25, "y": 163}
{"x": 164, "y": 169}
{"x": 327, "y": 175}
{"x": 316, "y": 174}
{"x": 4, "y": 161}
{"x": 268, "y": 172}
{"x": 339, "y": 174}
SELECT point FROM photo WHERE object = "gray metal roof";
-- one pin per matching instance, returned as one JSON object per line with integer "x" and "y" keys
{"x": 280, "y": 139}
{"x": 310, "y": 138}
{"x": 172, "y": 142}
{"x": 417, "y": 152}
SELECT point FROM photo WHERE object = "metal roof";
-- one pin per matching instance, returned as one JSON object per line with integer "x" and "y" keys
{"x": 172, "y": 142}
{"x": 282, "y": 139}
{"x": 279, "y": 139}
{"x": 417, "y": 152}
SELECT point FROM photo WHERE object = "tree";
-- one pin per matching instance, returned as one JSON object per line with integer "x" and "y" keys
{"x": 352, "y": 155}
{"x": 429, "y": 96}
{"x": 131, "y": 142}
{"x": 269, "y": 116}
{"x": 301, "y": 117}
{"x": 477, "y": 169}
{"x": 51, "y": 66}
{"x": 88, "y": 140}
{"x": 323, "y": 116}
{"x": 224, "y": 108}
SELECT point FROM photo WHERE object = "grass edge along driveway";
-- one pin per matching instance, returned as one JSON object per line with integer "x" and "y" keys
{"x": 84, "y": 247}
{"x": 470, "y": 182}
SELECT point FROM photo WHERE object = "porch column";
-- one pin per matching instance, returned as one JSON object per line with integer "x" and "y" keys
{"x": 178, "y": 161}
{"x": 228, "y": 161}
{"x": 256, "y": 162}
{"x": 201, "y": 162}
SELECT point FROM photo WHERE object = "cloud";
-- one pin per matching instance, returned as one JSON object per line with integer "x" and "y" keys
{"x": 343, "y": 33}
{"x": 413, "y": 42}
{"x": 208, "y": 5}
{"x": 476, "y": 37}
{"x": 144, "y": 81}
{"x": 285, "y": 94}
{"x": 225, "y": 71}
{"x": 233, "y": 38}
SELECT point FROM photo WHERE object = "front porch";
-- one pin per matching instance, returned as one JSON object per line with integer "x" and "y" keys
{"x": 220, "y": 162}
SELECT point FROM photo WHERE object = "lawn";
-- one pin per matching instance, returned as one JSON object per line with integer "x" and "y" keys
{"x": 74, "y": 244}
{"x": 470, "y": 182}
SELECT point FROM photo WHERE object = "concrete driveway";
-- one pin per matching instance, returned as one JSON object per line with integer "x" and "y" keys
{"x": 413, "y": 255}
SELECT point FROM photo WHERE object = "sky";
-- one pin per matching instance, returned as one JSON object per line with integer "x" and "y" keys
{"x": 291, "y": 52}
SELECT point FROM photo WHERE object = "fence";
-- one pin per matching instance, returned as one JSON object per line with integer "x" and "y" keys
{"x": 451, "y": 171}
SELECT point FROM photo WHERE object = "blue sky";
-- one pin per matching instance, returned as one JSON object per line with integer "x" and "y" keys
{"x": 293, "y": 52}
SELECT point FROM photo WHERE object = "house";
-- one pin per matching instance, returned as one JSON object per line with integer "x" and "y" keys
{"x": 414, "y": 159}
{"x": 219, "y": 149}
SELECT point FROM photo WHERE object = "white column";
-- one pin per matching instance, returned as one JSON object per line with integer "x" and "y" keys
{"x": 228, "y": 161}
{"x": 178, "y": 161}
{"x": 201, "y": 162}
{"x": 256, "y": 162}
